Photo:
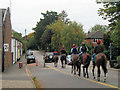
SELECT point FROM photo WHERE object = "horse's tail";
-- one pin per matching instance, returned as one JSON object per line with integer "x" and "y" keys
{"x": 103, "y": 60}
{"x": 104, "y": 63}
{"x": 87, "y": 61}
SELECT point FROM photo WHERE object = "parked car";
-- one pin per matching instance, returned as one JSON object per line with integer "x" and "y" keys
{"x": 69, "y": 59}
{"x": 28, "y": 53}
{"x": 48, "y": 57}
{"x": 31, "y": 59}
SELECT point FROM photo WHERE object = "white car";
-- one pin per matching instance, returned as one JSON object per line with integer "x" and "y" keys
{"x": 69, "y": 59}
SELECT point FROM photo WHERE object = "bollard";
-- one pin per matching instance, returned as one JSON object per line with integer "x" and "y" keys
{"x": 44, "y": 63}
{"x": 20, "y": 64}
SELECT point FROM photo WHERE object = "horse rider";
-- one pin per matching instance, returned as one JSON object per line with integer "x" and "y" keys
{"x": 98, "y": 49}
{"x": 55, "y": 52}
{"x": 63, "y": 53}
{"x": 74, "y": 50}
{"x": 83, "y": 49}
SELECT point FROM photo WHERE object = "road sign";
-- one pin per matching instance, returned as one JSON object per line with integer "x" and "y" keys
{"x": 6, "y": 47}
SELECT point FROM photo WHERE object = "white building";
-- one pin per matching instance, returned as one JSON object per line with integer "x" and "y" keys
{"x": 16, "y": 49}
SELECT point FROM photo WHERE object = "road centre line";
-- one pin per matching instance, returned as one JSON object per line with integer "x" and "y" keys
{"x": 105, "y": 84}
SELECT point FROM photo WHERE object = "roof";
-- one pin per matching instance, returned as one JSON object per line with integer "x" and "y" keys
{"x": 97, "y": 35}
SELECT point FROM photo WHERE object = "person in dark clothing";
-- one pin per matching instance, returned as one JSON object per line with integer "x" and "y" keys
{"x": 63, "y": 52}
{"x": 98, "y": 49}
{"x": 63, "y": 55}
{"x": 83, "y": 49}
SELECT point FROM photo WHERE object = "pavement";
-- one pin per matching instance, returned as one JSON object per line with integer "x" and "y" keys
{"x": 15, "y": 77}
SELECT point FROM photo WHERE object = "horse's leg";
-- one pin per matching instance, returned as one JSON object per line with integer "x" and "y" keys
{"x": 72, "y": 68}
{"x": 62, "y": 62}
{"x": 98, "y": 73}
{"x": 87, "y": 72}
{"x": 105, "y": 71}
{"x": 84, "y": 72}
{"x": 93, "y": 69}
{"x": 79, "y": 68}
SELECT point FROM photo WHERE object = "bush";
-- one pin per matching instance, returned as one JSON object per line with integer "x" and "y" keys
{"x": 118, "y": 59}
{"x": 107, "y": 53}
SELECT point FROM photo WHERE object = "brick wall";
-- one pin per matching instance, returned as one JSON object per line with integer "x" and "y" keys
{"x": 89, "y": 41}
{"x": 1, "y": 40}
{"x": 7, "y": 40}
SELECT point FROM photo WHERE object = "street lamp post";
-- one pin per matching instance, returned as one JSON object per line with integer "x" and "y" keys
{"x": 25, "y": 41}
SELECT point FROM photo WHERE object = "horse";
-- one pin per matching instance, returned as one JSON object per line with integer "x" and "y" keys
{"x": 55, "y": 60}
{"x": 85, "y": 60}
{"x": 63, "y": 59}
{"x": 75, "y": 63}
{"x": 101, "y": 60}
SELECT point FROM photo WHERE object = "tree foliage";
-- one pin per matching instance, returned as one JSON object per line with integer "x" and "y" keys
{"x": 17, "y": 35}
{"x": 98, "y": 27}
{"x": 48, "y": 18}
{"x": 57, "y": 30}
{"x": 72, "y": 34}
{"x": 111, "y": 11}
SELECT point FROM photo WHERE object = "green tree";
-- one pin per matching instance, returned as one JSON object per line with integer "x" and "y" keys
{"x": 111, "y": 11}
{"x": 57, "y": 30}
{"x": 17, "y": 35}
{"x": 98, "y": 27}
{"x": 72, "y": 34}
{"x": 63, "y": 16}
{"x": 48, "y": 18}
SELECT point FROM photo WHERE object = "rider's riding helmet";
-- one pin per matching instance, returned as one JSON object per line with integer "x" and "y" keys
{"x": 73, "y": 45}
{"x": 98, "y": 41}
{"x": 83, "y": 43}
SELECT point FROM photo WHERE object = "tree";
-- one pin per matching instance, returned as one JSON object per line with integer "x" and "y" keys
{"x": 63, "y": 16}
{"x": 17, "y": 35}
{"x": 48, "y": 18}
{"x": 72, "y": 34}
{"x": 57, "y": 30}
{"x": 111, "y": 11}
{"x": 98, "y": 27}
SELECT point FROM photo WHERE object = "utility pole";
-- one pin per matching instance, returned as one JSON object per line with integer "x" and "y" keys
{"x": 25, "y": 41}
{"x": 3, "y": 53}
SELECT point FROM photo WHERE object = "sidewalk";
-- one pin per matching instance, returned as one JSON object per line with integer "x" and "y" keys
{"x": 14, "y": 77}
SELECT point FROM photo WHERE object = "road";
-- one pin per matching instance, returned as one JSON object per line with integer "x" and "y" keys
{"x": 57, "y": 77}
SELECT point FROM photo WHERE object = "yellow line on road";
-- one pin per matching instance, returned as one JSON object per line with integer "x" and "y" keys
{"x": 105, "y": 84}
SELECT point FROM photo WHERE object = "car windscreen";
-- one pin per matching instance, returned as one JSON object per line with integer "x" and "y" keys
{"x": 49, "y": 53}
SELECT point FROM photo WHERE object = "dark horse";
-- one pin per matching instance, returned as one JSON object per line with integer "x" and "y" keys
{"x": 63, "y": 59}
{"x": 55, "y": 60}
{"x": 75, "y": 64}
{"x": 101, "y": 60}
{"x": 85, "y": 60}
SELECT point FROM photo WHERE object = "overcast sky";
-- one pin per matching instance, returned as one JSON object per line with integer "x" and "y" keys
{"x": 26, "y": 13}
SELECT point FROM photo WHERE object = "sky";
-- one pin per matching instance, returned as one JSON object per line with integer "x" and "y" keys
{"x": 26, "y": 13}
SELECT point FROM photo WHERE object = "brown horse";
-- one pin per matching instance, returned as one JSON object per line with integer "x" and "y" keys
{"x": 55, "y": 60}
{"x": 101, "y": 60}
{"x": 63, "y": 59}
{"x": 75, "y": 63}
{"x": 85, "y": 60}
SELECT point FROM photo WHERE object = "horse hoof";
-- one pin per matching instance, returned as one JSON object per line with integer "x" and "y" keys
{"x": 94, "y": 77}
{"x": 87, "y": 76}
{"x": 74, "y": 73}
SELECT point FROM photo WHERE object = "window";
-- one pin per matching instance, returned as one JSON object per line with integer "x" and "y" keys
{"x": 95, "y": 40}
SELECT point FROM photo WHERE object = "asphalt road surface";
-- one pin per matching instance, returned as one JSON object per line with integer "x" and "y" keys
{"x": 57, "y": 77}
